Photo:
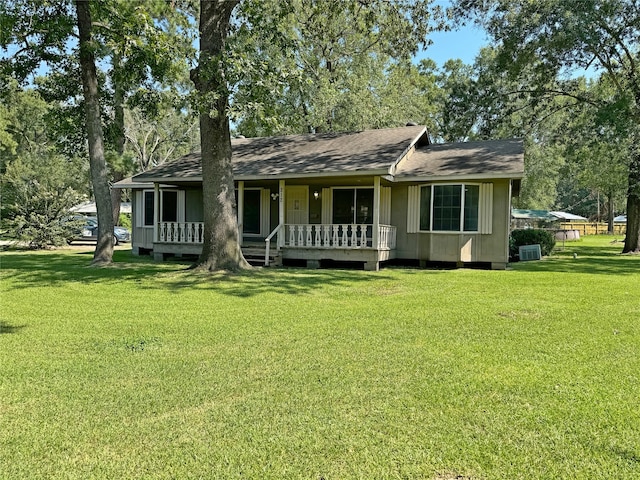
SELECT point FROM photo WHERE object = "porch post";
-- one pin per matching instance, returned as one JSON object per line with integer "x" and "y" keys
{"x": 376, "y": 213}
{"x": 240, "y": 210}
{"x": 156, "y": 210}
{"x": 281, "y": 233}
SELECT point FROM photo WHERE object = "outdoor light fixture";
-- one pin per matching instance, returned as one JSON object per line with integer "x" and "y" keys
{"x": 316, "y": 195}
{"x": 274, "y": 196}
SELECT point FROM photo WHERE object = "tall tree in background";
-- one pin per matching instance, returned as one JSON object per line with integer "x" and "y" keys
{"x": 221, "y": 248}
{"x": 308, "y": 66}
{"x": 38, "y": 185}
{"x": 565, "y": 167}
{"x": 104, "y": 248}
{"x": 148, "y": 45}
{"x": 153, "y": 139}
{"x": 145, "y": 44}
{"x": 550, "y": 38}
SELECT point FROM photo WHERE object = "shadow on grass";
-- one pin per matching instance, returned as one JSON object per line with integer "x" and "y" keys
{"x": 6, "y": 328}
{"x": 32, "y": 269}
{"x": 590, "y": 259}
{"x": 56, "y": 269}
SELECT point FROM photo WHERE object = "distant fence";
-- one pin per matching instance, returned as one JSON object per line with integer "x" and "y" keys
{"x": 594, "y": 228}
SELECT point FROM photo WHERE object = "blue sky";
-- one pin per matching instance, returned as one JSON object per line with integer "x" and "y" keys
{"x": 464, "y": 43}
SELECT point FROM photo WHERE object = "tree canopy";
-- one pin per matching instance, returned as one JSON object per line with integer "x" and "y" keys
{"x": 142, "y": 49}
{"x": 547, "y": 40}
{"x": 302, "y": 66}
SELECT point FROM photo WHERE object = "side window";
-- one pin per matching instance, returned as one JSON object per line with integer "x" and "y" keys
{"x": 450, "y": 208}
{"x": 147, "y": 211}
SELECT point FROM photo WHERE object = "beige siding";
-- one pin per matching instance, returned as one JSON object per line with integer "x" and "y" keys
{"x": 452, "y": 247}
{"x": 141, "y": 237}
{"x": 385, "y": 205}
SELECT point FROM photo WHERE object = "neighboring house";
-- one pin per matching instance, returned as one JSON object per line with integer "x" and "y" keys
{"x": 367, "y": 197}
{"x": 531, "y": 218}
{"x": 89, "y": 208}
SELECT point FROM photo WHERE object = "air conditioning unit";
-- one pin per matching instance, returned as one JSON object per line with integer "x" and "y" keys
{"x": 529, "y": 252}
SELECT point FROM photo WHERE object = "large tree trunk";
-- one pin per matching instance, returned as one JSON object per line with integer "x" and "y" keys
{"x": 632, "y": 240}
{"x": 221, "y": 249}
{"x": 99, "y": 178}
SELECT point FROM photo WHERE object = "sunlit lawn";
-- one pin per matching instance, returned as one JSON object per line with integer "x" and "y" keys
{"x": 146, "y": 370}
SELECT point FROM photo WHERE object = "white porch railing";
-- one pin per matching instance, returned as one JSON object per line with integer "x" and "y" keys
{"x": 303, "y": 235}
{"x": 347, "y": 236}
{"x": 338, "y": 236}
{"x": 181, "y": 232}
{"x": 387, "y": 237}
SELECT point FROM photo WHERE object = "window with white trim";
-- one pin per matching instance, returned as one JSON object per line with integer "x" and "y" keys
{"x": 450, "y": 208}
{"x": 144, "y": 208}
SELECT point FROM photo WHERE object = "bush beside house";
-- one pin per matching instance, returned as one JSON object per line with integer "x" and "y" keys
{"x": 531, "y": 236}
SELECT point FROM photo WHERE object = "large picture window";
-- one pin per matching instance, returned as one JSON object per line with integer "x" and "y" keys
{"x": 449, "y": 208}
{"x": 353, "y": 205}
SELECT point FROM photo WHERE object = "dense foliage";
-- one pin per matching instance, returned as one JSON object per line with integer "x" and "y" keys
{"x": 36, "y": 198}
{"x": 39, "y": 185}
{"x": 540, "y": 44}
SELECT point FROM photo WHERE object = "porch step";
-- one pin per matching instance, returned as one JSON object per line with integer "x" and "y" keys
{"x": 255, "y": 256}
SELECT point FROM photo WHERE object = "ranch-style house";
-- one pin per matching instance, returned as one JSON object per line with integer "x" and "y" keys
{"x": 364, "y": 198}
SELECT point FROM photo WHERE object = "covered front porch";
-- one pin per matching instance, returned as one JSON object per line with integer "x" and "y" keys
{"x": 309, "y": 222}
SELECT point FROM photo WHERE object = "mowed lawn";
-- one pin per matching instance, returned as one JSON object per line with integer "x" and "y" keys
{"x": 147, "y": 370}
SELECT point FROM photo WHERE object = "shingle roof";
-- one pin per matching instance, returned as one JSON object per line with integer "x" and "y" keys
{"x": 368, "y": 152}
{"x": 371, "y": 151}
{"x": 483, "y": 159}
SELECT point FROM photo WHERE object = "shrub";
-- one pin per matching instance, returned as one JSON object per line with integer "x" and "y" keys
{"x": 36, "y": 198}
{"x": 544, "y": 238}
{"x": 124, "y": 220}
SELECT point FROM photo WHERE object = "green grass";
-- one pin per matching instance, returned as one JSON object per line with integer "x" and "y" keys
{"x": 146, "y": 370}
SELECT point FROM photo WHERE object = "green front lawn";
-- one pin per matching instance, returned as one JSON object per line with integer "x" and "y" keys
{"x": 146, "y": 370}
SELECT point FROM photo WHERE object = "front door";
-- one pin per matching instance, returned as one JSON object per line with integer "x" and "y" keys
{"x": 252, "y": 208}
{"x": 297, "y": 205}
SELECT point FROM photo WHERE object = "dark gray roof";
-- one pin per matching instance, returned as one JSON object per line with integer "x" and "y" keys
{"x": 483, "y": 159}
{"x": 370, "y": 151}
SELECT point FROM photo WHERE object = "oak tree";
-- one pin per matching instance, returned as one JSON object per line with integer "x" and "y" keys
{"x": 552, "y": 38}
